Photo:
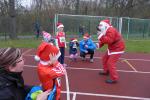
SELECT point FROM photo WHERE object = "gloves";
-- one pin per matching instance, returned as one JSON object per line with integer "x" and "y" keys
{"x": 54, "y": 57}
{"x": 32, "y": 95}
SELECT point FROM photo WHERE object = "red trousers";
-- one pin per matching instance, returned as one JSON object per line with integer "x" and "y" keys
{"x": 109, "y": 64}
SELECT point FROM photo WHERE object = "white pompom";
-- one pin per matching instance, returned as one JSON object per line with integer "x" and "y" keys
{"x": 37, "y": 58}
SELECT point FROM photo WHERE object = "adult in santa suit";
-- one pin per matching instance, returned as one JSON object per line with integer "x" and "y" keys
{"x": 49, "y": 69}
{"x": 107, "y": 34}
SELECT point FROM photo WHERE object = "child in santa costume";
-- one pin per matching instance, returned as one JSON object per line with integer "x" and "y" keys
{"x": 107, "y": 34}
{"x": 73, "y": 49}
{"x": 49, "y": 69}
{"x": 61, "y": 42}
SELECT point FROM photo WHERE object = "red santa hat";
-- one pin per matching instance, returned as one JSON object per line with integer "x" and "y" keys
{"x": 105, "y": 22}
{"x": 46, "y": 36}
{"x": 60, "y": 25}
{"x": 45, "y": 50}
{"x": 86, "y": 36}
{"x": 74, "y": 39}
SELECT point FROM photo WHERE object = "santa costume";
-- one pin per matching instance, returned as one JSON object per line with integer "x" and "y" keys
{"x": 49, "y": 69}
{"x": 107, "y": 34}
{"x": 61, "y": 42}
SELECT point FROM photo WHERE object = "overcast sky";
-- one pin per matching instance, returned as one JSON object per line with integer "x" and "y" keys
{"x": 25, "y": 2}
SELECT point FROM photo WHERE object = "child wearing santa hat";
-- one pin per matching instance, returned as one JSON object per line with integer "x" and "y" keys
{"x": 49, "y": 69}
{"x": 61, "y": 42}
{"x": 87, "y": 46}
{"x": 47, "y": 37}
{"x": 107, "y": 34}
{"x": 73, "y": 45}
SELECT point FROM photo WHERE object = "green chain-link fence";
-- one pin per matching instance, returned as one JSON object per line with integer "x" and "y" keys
{"x": 130, "y": 28}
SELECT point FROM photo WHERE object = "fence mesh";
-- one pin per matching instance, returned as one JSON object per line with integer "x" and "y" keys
{"x": 130, "y": 28}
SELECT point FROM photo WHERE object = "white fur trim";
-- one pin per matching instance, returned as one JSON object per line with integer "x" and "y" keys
{"x": 85, "y": 37}
{"x": 44, "y": 62}
{"x": 99, "y": 37}
{"x": 36, "y": 58}
{"x": 52, "y": 60}
{"x": 104, "y": 27}
{"x": 113, "y": 53}
{"x": 60, "y": 26}
{"x": 97, "y": 45}
{"x": 104, "y": 24}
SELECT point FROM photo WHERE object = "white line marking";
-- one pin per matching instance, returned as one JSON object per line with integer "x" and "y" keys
{"x": 130, "y": 65}
{"x": 74, "y": 96}
{"x": 101, "y": 58}
{"x": 141, "y": 72}
{"x": 107, "y": 95}
{"x": 67, "y": 86}
{"x": 26, "y": 51}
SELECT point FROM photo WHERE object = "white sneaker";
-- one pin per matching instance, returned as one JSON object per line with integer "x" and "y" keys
{"x": 91, "y": 60}
{"x": 83, "y": 59}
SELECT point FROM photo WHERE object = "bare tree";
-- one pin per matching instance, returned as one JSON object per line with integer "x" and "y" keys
{"x": 12, "y": 15}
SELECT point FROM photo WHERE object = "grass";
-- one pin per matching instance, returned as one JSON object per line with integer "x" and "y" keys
{"x": 137, "y": 46}
{"x": 21, "y": 43}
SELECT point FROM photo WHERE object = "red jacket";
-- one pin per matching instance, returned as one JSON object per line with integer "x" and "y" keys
{"x": 50, "y": 75}
{"x": 61, "y": 39}
{"x": 114, "y": 40}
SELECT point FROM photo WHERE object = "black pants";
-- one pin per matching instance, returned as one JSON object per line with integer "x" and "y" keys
{"x": 91, "y": 52}
{"x": 62, "y": 56}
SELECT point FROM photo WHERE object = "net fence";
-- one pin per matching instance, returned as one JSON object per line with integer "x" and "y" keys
{"x": 130, "y": 28}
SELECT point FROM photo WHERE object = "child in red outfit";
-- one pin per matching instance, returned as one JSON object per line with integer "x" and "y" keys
{"x": 61, "y": 42}
{"x": 110, "y": 36}
{"x": 49, "y": 69}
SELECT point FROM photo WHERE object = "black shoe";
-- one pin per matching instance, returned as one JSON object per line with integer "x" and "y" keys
{"x": 109, "y": 81}
{"x": 104, "y": 73}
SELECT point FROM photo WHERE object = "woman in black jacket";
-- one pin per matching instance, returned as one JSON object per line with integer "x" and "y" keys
{"x": 11, "y": 81}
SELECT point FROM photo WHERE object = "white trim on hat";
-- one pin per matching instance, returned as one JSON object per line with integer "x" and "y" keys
{"x": 104, "y": 27}
{"x": 75, "y": 40}
{"x": 85, "y": 37}
{"x": 48, "y": 62}
{"x": 60, "y": 26}
{"x": 104, "y": 23}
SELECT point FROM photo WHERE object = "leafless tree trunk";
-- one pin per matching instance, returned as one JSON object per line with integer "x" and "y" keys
{"x": 12, "y": 15}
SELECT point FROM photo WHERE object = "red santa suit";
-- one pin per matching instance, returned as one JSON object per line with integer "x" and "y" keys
{"x": 60, "y": 36}
{"x": 49, "y": 69}
{"x": 61, "y": 42}
{"x": 110, "y": 36}
{"x": 61, "y": 39}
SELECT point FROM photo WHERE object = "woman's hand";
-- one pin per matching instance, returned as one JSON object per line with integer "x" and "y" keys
{"x": 43, "y": 95}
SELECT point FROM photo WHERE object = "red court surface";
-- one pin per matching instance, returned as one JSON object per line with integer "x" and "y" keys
{"x": 86, "y": 84}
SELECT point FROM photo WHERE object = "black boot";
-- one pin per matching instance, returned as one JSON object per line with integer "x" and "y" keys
{"x": 104, "y": 73}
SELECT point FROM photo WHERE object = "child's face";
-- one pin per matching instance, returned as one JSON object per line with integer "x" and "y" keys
{"x": 60, "y": 29}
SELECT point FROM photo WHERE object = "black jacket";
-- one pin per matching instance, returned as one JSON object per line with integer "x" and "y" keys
{"x": 12, "y": 86}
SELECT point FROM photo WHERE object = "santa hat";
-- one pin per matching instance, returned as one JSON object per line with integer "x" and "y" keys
{"x": 73, "y": 39}
{"x": 45, "y": 50}
{"x": 105, "y": 22}
{"x": 60, "y": 25}
{"x": 86, "y": 36}
{"x": 46, "y": 36}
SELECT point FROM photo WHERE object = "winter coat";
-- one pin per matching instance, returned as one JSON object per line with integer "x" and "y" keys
{"x": 73, "y": 47}
{"x": 89, "y": 42}
{"x": 12, "y": 86}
